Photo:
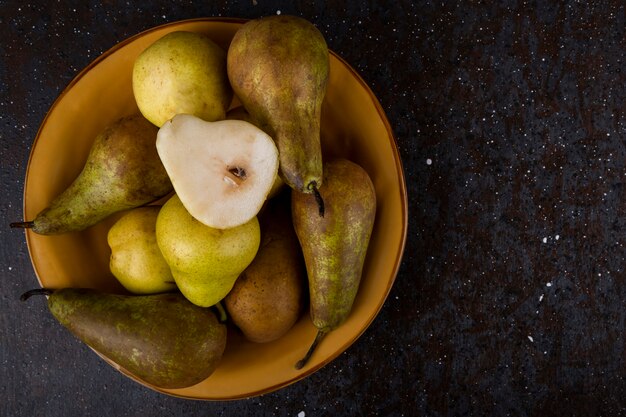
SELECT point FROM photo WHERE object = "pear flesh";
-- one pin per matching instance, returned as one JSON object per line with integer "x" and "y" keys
{"x": 334, "y": 246}
{"x": 122, "y": 171}
{"x": 162, "y": 339}
{"x": 278, "y": 66}
{"x": 182, "y": 72}
{"x": 204, "y": 261}
{"x": 240, "y": 113}
{"x": 136, "y": 260}
{"x": 222, "y": 171}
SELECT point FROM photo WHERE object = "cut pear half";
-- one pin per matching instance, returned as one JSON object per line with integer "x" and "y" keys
{"x": 222, "y": 171}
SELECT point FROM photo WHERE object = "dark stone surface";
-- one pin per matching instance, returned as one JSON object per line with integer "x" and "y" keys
{"x": 510, "y": 120}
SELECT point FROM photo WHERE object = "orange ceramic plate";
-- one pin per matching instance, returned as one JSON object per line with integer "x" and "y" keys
{"x": 353, "y": 125}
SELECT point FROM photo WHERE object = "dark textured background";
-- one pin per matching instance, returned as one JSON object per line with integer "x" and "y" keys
{"x": 510, "y": 120}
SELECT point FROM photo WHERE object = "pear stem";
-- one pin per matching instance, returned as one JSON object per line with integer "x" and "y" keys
{"x": 320, "y": 335}
{"x": 36, "y": 291}
{"x": 221, "y": 312}
{"x": 22, "y": 225}
{"x": 318, "y": 197}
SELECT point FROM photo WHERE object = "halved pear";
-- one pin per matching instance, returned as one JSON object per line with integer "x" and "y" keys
{"x": 222, "y": 171}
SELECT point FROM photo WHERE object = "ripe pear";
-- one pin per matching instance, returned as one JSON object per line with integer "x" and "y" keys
{"x": 240, "y": 113}
{"x": 122, "y": 171}
{"x": 278, "y": 66}
{"x": 335, "y": 245}
{"x": 222, "y": 171}
{"x": 267, "y": 298}
{"x": 136, "y": 260}
{"x": 204, "y": 261}
{"x": 182, "y": 72}
{"x": 162, "y": 339}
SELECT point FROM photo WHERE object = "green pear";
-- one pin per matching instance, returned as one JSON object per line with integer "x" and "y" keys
{"x": 122, "y": 171}
{"x": 335, "y": 245}
{"x": 182, "y": 72}
{"x": 278, "y": 66}
{"x": 204, "y": 261}
{"x": 162, "y": 339}
{"x": 136, "y": 260}
{"x": 268, "y": 297}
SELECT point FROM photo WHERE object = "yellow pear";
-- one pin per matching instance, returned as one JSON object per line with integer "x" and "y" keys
{"x": 204, "y": 261}
{"x": 136, "y": 260}
{"x": 182, "y": 72}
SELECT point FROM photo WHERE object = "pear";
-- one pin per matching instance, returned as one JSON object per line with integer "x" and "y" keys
{"x": 335, "y": 245}
{"x": 122, "y": 171}
{"x": 136, "y": 260}
{"x": 240, "y": 113}
{"x": 204, "y": 261}
{"x": 162, "y": 339}
{"x": 267, "y": 298}
{"x": 278, "y": 66}
{"x": 222, "y": 171}
{"x": 182, "y": 72}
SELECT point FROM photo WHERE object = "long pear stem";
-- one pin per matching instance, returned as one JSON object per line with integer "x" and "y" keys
{"x": 22, "y": 225}
{"x": 320, "y": 335}
{"x": 36, "y": 291}
{"x": 318, "y": 197}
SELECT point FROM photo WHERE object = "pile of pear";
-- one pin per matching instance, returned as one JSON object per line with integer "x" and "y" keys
{"x": 227, "y": 214}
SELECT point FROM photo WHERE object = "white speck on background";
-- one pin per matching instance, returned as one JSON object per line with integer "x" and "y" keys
{"x": 557, "y": 237}
{"x": 544, "y": 240}
{"x": 277, "y": 11}
{"x": 548, "y": 284}
{"x": 301, "y": 414}
{"x": 429, "y": 161}
{"x": 531, "y": 338}
{"x": 540, "y": 297}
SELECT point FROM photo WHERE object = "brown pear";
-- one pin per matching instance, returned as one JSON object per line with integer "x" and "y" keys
{"x": 267, "y": 298}
{"x": 278, "y": 66}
